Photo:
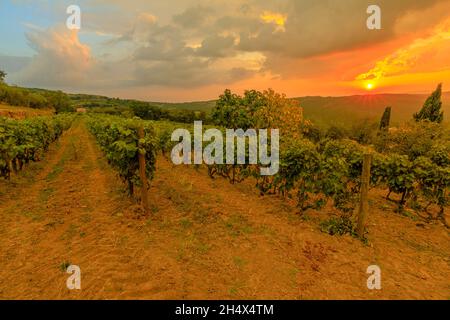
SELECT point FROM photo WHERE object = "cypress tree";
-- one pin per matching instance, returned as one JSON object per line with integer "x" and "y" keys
{"x": 431, "y": 110}
{"x": 385, "y": 119}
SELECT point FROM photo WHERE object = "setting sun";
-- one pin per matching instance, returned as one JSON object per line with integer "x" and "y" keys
{"x": 369, "y": 86}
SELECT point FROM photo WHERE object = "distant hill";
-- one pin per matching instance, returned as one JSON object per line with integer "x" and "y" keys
{"x": 347, "y": 110}
{"x": 93, "y": 101}
{"x": 194, "y": 106}
{"x": 323, "y": 111}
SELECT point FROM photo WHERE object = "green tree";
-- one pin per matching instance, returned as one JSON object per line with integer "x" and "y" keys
{"x": 37, "y": 101}
{"x": 335, "y": 132}
{"x": 385, "y": 119}
{"x": 431, "y": 110}
{"x": 146, "y": 111}
{"x": 60, "y": 101}
{"x": 2, "y": 76}
{"x": 233, "y": 111}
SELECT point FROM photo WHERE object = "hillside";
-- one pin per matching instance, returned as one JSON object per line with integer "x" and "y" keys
{"x": 93, "y": 101}
{"x": 323, "y": 111}
{"x": 346, "y": 110}
{"x": 22, "y": 112}
{"x": 193, "y": 106}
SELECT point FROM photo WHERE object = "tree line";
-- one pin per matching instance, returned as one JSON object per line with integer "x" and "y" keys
{"x": 33, "y": 98}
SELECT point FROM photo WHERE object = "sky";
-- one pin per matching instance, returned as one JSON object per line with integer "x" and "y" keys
{"x": 187, "y": 50}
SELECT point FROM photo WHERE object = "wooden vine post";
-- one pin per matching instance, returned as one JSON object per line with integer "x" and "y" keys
{"x": 142, "y": 172}
{"x": 364, "y": 201}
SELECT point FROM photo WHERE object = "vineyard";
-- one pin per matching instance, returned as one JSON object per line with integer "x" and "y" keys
{"x": 221, "y": 228}
{"x": 194, "y": 152}
{"x": 312, "y": 174}
{"x": 22, "y": 141}
{"x": 121, "y": 143}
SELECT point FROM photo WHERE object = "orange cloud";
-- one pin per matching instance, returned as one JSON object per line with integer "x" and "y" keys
{"x": 422, "y": 56}
{"x": 275, "y": 18}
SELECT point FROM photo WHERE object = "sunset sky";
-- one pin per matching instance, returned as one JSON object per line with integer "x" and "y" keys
{"x": 184, "y": 50}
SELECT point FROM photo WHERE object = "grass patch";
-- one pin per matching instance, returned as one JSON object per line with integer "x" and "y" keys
{"x": 203, "y": 248}
{"x": 45, "y": 194}
{"x": 239, "y": 262}
{"x": 340, "y": 226}
{"x": 54, "y": 222}
{"x": 185, "y": 223}
{"x": 85, "y": 218}
{"x": 238, "y": 225}
{"x": 181, "y": 254}
{"x": 123, "y": 241}
{"x": 35, "y": 216}
{"x": 64, "y": 265}
{"x": 56, "y": 171}
{"x": 71, "y": 231}
{"x": 234, "y": 290}
{"x": 154, "y": 209}
{"x": 58, "y": 168}
{"x": 202, "y": 215}
{"x": 409, "y": 214}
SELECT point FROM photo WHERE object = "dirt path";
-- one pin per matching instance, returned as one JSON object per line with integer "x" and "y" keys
{"x": 205, "y": 239}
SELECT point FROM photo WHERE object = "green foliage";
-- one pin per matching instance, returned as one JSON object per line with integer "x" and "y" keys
{"x": 34, "y": 98}
{"x": 316, "y": 174}
{"x": 313, "y": 132}
{"x": 432, "y": 181}
{"x": 164, "y": 141}
{"x": 398, "y": 175}
{"x": 22, "y": 141}
{"x": 13, "y": 96}
{"x": 331, "y": 170}
{"x": 177, "y": 112}
{"x": 338, "y": 226}
{"x": 163, "y": 134}
{"x": 414, "y": 163}
{"x": 363, "y": 132}
{"x": 385, "y": 119}
{"x": 439, "y": 153}
{"x": 428, "y": 178}
{"x": 431, "y": 110}
{"x": 60, "y": 102}
{"x": 336, "y": 132}
{"x": 146, "y": 111}
{"x": 413, "y": 140}
{"x": 3, "y": 75}
{"x": 37, "y": 101}
{"x": 183, "y": 116}
{"x": 119, "y": 140}
{"x": 233, "y": 111}
{"x": 96, "y": 101}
